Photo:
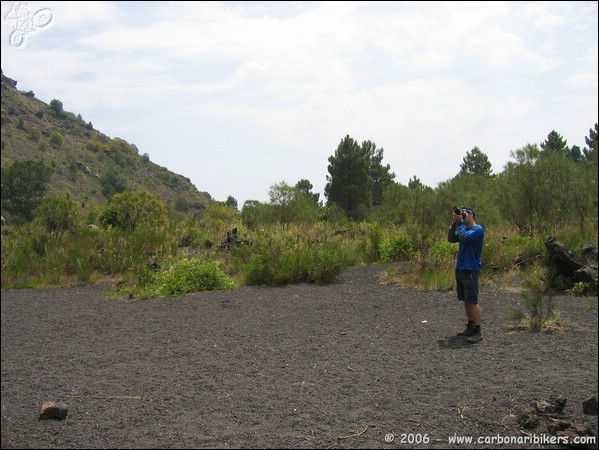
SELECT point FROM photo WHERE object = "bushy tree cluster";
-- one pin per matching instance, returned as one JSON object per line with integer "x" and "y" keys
{"x": 357, "y": 178}
{"x": 24, "y": 184}
{"x": 544, "y": 188}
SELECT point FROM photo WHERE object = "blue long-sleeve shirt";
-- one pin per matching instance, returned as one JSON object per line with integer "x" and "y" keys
{"x": 471, "y": 245}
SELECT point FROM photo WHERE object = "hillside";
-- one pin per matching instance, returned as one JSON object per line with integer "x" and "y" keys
{"x": 87, "y": 164}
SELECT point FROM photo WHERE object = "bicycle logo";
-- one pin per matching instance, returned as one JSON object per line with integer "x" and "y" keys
{"x": 25, "y": 21}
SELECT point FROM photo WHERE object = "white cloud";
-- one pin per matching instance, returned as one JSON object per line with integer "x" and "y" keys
{"x": 238, "y": 96}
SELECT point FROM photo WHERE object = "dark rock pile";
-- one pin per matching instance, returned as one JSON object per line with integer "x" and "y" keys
{"x": 566, "y": 269}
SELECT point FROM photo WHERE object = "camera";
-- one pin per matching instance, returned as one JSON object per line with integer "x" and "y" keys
{"x": 457, "y": 210}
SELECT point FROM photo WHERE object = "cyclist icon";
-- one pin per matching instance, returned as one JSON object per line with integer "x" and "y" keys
{"x": 25, "y": 21}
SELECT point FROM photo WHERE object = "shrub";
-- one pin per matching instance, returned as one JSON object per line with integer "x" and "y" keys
{"x": 55, "y": 139}
{"x": 24, "y": 184}
{"x": 128, "y": 210}
{"x": 34, "y": 134}
{"x": 96, "y": 146}
{"x": 182, "y": 204}
{"x": 58, "y": 213}
{"x": 57, "y": 106}
{"x": 218, "y": 218}
{"x": 191, "y": 275}
{"x": 398, "y": 247}
{"x": 537, "y": 311}
{"x": 442, "y": 252}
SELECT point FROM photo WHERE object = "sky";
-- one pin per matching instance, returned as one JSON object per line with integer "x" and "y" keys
{"x": 241, "y": 96}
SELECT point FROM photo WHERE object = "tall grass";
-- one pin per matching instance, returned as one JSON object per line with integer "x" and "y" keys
{"x": 269, "y": 255}
{"x": 283, "y": 260}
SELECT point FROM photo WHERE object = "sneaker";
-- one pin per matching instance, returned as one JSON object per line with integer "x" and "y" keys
{"x": 469, "y": 331}
{"x": 475, "y": 338}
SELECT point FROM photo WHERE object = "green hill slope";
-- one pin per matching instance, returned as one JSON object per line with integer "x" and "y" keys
{"x": 87, "y": 164}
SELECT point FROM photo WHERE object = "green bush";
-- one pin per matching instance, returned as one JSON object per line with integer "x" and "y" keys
{"x": 97, "y": 146}
{"x": 34, "y": 134}
{"x": 191, "y": 275}
{"x": 58, "y": 213}
{"x": 56, "y": 139}
{"x": 218, "y": 218}
{"x": 24, "y": 184}
{"x": 442, "y": 252}
{"x": 397, "y": 248}
{"x": 129, "y": 210}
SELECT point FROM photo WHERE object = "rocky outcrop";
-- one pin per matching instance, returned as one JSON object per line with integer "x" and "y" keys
{"x": 566, "y": 269}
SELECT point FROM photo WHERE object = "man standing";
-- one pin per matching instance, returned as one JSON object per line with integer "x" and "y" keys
{"x": 470, "y": 235}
